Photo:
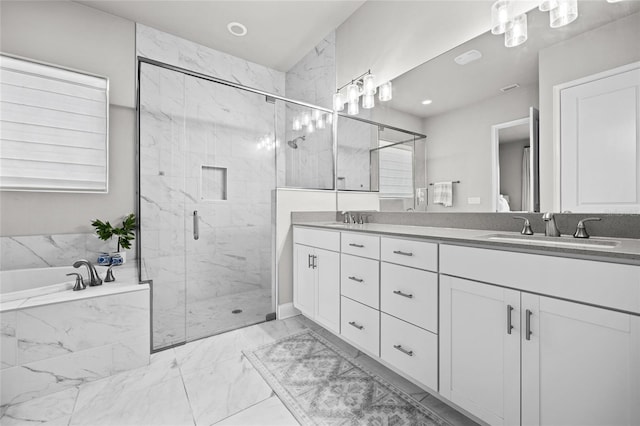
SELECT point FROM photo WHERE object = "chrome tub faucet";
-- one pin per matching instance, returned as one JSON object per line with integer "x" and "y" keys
{"x": 94, "y": 278}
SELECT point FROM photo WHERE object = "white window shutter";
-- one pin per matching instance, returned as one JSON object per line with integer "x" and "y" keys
{"x": 53, "y": 128}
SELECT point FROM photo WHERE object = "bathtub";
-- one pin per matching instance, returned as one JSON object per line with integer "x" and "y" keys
{"x": 26, "y": 283}
{"x": 54, "y": 338}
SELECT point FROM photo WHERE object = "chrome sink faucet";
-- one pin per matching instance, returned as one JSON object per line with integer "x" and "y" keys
{"x": 551, "y": 229}
{"x": 94, "y": 278}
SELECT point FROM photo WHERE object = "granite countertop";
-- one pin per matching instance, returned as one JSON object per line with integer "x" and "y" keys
{"x": 627, "y": 250}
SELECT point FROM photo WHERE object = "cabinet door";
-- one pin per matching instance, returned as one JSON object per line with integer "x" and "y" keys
{"x": 304, "y": 280}
{"x": 479, "y": 355}
{"x": 580, "y": 365}
{"x": 328, "y": 289}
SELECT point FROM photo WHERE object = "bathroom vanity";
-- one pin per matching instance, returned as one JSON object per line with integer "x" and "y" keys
{"x": 513, "y": 333}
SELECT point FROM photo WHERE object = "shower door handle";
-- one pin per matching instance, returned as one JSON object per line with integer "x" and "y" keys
{"x": 196, "y": 230}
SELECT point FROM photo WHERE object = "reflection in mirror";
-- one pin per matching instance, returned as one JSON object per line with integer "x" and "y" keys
{"x": 457, "y": 105}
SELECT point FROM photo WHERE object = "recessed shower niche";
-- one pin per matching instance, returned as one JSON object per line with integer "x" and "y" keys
{"x": 213, "y": 183}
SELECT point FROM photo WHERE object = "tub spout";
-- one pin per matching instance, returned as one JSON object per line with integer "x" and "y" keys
{"x": 94, "y": 278}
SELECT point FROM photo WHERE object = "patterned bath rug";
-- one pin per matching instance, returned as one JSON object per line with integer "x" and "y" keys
{"x": 321, "y": 385}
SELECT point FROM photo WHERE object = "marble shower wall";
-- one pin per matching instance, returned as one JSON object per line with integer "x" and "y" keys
{"x": 188, "y": 123}
{"x": 43, "y": 251}
{"x": 311, "y": 80}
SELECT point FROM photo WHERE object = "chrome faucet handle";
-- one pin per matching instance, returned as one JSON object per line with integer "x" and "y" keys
{"x": 80, "y": 285}
{"x": 526, "y": 228}
{"x": 581, "y": 230}
{"x": 109, "y": 277}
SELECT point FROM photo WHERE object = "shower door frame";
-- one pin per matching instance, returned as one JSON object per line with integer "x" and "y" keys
{"x": 268, "y": 97}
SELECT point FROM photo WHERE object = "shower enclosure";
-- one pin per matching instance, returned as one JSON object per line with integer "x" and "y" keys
{"x": 211, "y": 158}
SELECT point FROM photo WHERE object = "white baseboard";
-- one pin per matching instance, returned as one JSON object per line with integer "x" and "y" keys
{"x": 287, "y": 310}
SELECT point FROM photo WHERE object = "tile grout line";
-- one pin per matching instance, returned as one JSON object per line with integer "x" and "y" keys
{"x": 184, "y": 386}
{"x": 273, "y": 394}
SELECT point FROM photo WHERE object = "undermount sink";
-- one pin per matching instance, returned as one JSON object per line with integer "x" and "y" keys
{"x": 565, "y": 241}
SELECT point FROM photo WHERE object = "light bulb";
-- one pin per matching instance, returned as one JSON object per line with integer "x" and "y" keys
{"x": 517, "y": 34}
{"x": 368, "y": 101}
{"x": 385, "y": 92}
{"x": 565, "y": 13}
{"x": 547, "y": 5}
{"x": 353, "y": 93}
{"x": 338, "y": 101}
{"x": 353, "y": 108}
{"x": 310, "y": 127}
{"x": 320, "y": 122}
{"x": 297, "y": 125}
{"x": 501, "y": 16}
{"x": 369, "y": 85}
{"x": 306, "y": 119}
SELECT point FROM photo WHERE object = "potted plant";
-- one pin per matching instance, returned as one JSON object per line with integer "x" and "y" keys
{"x": 124, "y": 233}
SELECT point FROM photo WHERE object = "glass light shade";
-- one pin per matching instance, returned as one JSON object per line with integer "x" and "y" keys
{"x": 369, "y": 85}
{"x": 310, "y": 127}
{"x": 329, "y": 119}
{"x": 297, "y": 125}
{"x": 353, "y": 108}
{"x": 565, "y": 13}
{"x": 320, "y": 122}
{"x": 317, "y": 115}
{"x": 353, "y": 93}
{"x": 306, "y": 119}
{"x": 338, "y": 101}
{"x": 368, "y": 101}
{"x": 517, "y": 34}
{"x": 547, "y": 5}
{"x": 501, "y": 16}
{"x": 385, "y": 92}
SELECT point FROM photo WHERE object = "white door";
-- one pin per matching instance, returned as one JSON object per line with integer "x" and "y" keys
{"x": 600, "y": 144}
{"x": 580, "y": 365}
{"x": 304, "y": 278}
{"x": 479, "y": 353}
{"x": 328, "y": 289}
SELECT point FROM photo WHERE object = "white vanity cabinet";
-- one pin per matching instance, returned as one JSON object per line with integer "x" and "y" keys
{"x": 510, "y": 356}
{"x": 316, "y": 276}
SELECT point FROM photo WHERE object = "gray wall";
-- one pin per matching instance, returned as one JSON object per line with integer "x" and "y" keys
{"x": 581, "y": 56}
{"x": 511, "y": 172}
{"x": 459, "y": 146}
{"x": 75, "y": 36}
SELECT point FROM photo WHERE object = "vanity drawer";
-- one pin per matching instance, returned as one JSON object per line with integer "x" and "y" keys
{"x": 410, "y": 294}
{"x": 417, "y": 254}
{"x": 360, "y": 279}
{"x": 410, "y": 349}
{"x": 361, "y": 325}
{"x": 329, "y": 240}
{"x": 361, "y": 245}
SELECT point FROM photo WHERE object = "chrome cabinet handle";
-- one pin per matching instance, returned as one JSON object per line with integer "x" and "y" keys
{"x": 509, "y": 325}
{"x": 403, "y": 253}
{"x": 356, "y": 245}
{"x": 309, "y": 261}
{"x": 359, "y": 280}
{"x": 403, "y": 350}
{"x": 528, "y": 332}
{"x": 353, "y": 323}
{"x": 399, "y": 293}
{"x": 315, "y": 261}
{"x": 196, "y": 230}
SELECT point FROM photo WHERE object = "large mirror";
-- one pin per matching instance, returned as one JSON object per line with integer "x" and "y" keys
{"x": 474, "y": 105}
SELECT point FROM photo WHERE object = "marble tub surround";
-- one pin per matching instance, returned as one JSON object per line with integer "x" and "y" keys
{"x": 169, "y": 391}
{"x": 58, "y": 341}
{"x": 40, "y": 251}
{"x": 611, "y": 225}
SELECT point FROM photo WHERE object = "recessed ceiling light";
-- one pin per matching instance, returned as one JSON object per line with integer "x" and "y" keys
{"x": 466, "y": 57}
{"x": 237, "y": 29}
{"x": 426, "y": 102}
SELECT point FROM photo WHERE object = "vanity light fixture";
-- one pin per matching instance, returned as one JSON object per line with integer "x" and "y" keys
{"x": 362, "y": 86}
{"x": 311, "y": 121}
{"x": 237, "y": 29}
{"x": 517, "y": 34}
{"x": 565, "y": 13}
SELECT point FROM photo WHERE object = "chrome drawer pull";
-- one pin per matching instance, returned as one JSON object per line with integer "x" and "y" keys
{"x": 403, "y": 253}
{"x": 528, "y": 332}
{"x": 399, "y": 293}
{"x": 359, "y": 327}
{"x": 403, "y": 350}
{"x": 358, "y": 280}
{"x": 356, "y": 245}
{"x": 509, "y": 325}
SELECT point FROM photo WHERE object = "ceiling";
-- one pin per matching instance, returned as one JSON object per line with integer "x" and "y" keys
{"x": 280, "y": 33}
{"x": 451, "y": 86}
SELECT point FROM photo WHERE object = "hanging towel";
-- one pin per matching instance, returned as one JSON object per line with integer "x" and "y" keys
{"x": 443, "y": 193}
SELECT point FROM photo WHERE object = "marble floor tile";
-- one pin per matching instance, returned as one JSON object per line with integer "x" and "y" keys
{"x": 219, "y": 390}
{"x": 270, "y": 412}
{"x": 49, "y": 408}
